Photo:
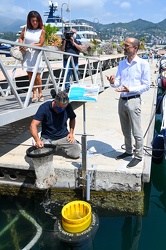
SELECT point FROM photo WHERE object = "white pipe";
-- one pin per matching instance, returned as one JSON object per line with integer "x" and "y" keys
{"x": 38, "y": 227}
{"x": 88, "y": 187}
{"x": 9, "y": 225}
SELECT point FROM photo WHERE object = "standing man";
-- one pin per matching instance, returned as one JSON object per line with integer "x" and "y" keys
{"x": 70, "y": 45}
{"x": 132, "y": 79}
{"x": 54, "y": 116}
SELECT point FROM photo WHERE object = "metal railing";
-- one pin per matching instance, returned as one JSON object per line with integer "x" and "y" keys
{"x": 12, "y": 83}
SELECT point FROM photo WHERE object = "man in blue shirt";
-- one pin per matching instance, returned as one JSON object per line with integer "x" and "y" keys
{"x": 53, "y": 115}
{"x": 131, "y": 80}
{"x": 70, "y": 45}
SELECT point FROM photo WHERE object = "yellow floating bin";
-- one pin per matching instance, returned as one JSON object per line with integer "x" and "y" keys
{"x": 76, "y": 216}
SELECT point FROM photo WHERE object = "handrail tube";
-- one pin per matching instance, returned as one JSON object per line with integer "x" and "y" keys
{"x": 90, "y": 70}
{"x": 32, "y": 79}
{"x": 50, "y": 72}
{"x": 11, "y": 84}
{"x": 46, "y": 49}
{"x": 85, "y": 69}
{"x": 74, "y": 69}
{"x": 66, "y": 72}
{"x": 12, "y": 77}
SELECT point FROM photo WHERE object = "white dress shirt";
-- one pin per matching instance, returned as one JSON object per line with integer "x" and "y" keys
{"x": 135, "y": 76}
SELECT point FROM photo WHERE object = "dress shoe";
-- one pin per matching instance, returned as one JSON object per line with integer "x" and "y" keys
{"x": 122, "y": 156}
{"x": 133, "y": 162}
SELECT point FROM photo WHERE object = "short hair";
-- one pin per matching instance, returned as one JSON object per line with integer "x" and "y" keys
{"x": 62, "y": 97}
{"x": 32, "y": 14}
{"x": 136, "y": 42}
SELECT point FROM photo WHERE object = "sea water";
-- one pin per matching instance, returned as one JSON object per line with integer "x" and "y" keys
{"x": 114, "y": 232}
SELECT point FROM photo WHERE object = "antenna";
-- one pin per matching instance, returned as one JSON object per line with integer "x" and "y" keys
{"x": 49, "y": 3}
{"x": 55, "y": 4}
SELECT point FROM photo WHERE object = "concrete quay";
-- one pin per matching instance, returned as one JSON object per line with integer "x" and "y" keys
{"x": 104, "y": 143}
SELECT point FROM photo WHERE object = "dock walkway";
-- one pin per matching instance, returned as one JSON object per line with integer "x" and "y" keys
{"x": 104, "y": 143}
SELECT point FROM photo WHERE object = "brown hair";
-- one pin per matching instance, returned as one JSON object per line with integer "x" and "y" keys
{"x": 31, "y": 14}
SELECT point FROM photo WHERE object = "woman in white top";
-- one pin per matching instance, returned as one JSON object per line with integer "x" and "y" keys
{"x": 33, "y": 34}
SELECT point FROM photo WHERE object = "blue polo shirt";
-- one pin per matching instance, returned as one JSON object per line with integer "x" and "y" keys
{"x": 70, "y": 48}
{"x": 54, "y": 125}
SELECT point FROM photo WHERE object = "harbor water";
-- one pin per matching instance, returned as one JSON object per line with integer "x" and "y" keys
{"x": 117, "y": 232}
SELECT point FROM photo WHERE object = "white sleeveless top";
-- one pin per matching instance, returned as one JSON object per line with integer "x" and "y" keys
{"x": 30, "y": 57}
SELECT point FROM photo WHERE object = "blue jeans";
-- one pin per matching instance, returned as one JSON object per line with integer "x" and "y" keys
{"x": 70, "y": 73}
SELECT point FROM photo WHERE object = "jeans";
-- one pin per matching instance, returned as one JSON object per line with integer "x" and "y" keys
{"x": 70, "y": 73}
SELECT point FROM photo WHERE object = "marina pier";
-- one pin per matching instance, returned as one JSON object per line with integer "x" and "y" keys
{"x": 104, "y": 143}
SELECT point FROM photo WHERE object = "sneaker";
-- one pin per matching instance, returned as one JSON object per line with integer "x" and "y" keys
{"x": 122, "y": 156}
{"x": 133, "y": 162}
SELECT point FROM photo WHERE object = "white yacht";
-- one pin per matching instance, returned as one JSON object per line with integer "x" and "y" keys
{"x": 85, "y": 32}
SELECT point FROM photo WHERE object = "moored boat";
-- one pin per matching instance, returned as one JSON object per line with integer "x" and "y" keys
{"x": 85, "y": 31}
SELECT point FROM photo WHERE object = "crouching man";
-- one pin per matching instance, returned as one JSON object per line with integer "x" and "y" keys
{"x": 53, "y": 117}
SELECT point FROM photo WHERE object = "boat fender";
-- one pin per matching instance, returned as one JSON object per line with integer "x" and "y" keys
{"x": 159, "y": 82}
{"x": 164, "y": 135}
{"x": 163, "y": 81}
{"x": 159, "y": 104}
{"x": 158, "y": 149}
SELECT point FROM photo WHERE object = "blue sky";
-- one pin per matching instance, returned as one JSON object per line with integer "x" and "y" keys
{"x": 106, "y": 11}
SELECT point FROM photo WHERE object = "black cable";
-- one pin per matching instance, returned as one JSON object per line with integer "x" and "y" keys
{"x": 154, "y": 113}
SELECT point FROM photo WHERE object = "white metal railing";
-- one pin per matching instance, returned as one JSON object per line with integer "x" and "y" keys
{"x": 10, "y": 77}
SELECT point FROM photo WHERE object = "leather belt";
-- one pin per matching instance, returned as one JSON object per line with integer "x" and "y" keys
{"x": 130, "y": 97}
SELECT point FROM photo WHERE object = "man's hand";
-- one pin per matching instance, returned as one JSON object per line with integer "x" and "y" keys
{"x": 111, "y": 79}
{"x": 70, "y": 138}
{"x": 122, "y": 89}
{"x": 39, "y": 144}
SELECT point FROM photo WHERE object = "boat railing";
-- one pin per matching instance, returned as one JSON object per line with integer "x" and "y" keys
{"x": 14, "y": 80}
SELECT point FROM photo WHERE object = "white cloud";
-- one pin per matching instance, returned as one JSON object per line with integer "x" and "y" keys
{"x": 11, "y": 10}
{"x": 125, "y": 5}
{"x": 116, "y": 2}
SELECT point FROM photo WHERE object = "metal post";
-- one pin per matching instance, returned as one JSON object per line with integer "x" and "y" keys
{"x": 84, "y": 154}
{"x": 67, "y": 9}
{"x": 84, "y": 164}
{"x": 84, "y": 119}
{"x": 88, "y": 187}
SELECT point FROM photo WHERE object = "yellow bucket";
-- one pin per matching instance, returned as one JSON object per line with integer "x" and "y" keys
{"x": 76, "y": 216}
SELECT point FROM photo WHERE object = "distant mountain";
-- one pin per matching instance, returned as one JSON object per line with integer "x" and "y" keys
{"x": 138, "y": 27}
{"x": 10, "y": 25}
{"x": 162, "y": 25}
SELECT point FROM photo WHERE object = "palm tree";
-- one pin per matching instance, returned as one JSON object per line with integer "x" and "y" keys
{"x": 142, "y": 43}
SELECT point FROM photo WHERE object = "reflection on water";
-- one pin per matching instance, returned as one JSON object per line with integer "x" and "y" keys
{"x": 114, "y": 232}
{"x": 130, "y": 233}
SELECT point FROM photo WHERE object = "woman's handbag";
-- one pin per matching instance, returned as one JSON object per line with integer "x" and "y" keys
{"x": 16, "y": 53}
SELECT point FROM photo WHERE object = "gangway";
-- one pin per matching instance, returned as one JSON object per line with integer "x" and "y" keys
{"x": 15, "y": 89}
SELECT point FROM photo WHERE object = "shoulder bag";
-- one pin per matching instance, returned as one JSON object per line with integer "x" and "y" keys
{"x": 16, "y": 52}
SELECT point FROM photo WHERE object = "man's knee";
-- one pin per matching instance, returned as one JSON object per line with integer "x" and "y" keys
{"x": 74, "y": 151}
